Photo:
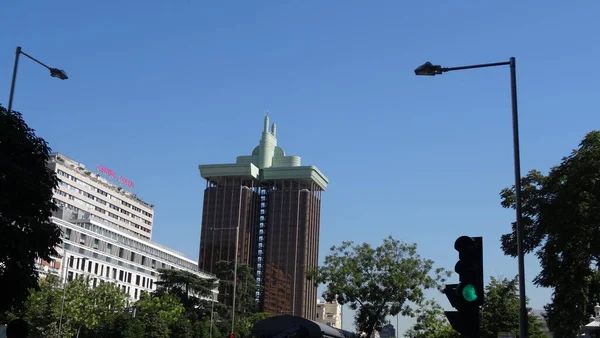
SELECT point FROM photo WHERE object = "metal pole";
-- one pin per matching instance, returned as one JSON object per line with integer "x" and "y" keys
{"x": 341, "y": 316}
{"x": 62, "y": 304}
{"x": 36, "y": 60}
{"x": 296, "y": 252}
{"x": 212, "y": 313}
{"x": 237, "y": 240}
{"x": 237, "y": 236}
{"x": 523, "y": 317}
{"x": 14, "y": 79}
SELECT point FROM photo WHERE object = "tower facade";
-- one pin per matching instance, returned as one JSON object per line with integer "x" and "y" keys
{"x": 268, "y": 207}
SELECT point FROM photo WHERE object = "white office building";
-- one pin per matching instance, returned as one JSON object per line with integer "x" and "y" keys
{"x": 103, "y": 194}
{"x": 107, "y": 246}
{"x": 105, "y": 254}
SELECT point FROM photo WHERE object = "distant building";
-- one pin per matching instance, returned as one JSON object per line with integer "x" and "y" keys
{"x": 388, "y": 331}
{"x": 267, "y": 205}
{"x": 329, "y": 313}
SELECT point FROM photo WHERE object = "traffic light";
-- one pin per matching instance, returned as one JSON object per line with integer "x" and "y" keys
{"x": 231, "y": 335}
{"x": 467, "y": 296}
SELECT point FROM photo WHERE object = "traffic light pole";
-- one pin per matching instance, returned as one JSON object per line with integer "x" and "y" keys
{"x": 523, "y": 316}
{"x": 467, "y": 296}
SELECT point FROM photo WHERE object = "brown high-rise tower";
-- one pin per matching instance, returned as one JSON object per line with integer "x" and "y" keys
{"x": 268, "y": 206}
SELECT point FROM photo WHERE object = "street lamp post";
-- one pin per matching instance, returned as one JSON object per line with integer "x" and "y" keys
{"x": 66, "y": 261}
{"x": 212, "y": 314}
{"x": 430, "y": 69}
{"x": 237, "y": 240}
{"x": 54, "y": 72}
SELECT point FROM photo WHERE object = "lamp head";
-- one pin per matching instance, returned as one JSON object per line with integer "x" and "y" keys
{"x": 429, "y": 69}
{"x": 58, "y": 73}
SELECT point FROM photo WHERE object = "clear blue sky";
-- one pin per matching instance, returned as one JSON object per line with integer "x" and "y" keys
{"x": 158, "y": 87}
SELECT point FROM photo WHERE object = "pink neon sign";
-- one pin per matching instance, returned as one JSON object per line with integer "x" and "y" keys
{"x": 106, "y": 171}
{"x": 122, "y": 179}
{"x": 126, "y": 181}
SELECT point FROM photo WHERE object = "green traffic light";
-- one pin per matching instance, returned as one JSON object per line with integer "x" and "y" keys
{"x": 469, "y": 294}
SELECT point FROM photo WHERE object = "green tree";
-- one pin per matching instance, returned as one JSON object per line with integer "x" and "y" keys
{"x": 26, "y": 204}
{"x": 122, "y": 325}
{"x": 184, "y": 284}
{"x": 88, "y": 309}
{"x": 376, "y": 282}
{"x": 167, "y": 307}
{"x": 182, "y": 328}
{"x": 220, "y": 326}
{"x": 89, "y": 312}
{"x": 431, "y": 323}
{"x": 42, "y": 308}
{"x": 500, "y": 311}
{"x": 245, "y": 324}
{"x": 159, "y": 314}
{"x": 246, "y": 304}
{"x": 188, "y": 288}
{"x": 561, "y": 213}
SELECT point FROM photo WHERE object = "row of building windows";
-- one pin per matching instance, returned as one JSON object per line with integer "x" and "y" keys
{"x": 89, "y": 253}
{"x": 99, "y": 269}
{"x": 96, "y": 277}
{"x": 109, "y": 196}
{"x": 99, "y": 219}
{"x": 101, "y": 273}
{"x": 142, "y": 254}
{"x": 98, "y": 209}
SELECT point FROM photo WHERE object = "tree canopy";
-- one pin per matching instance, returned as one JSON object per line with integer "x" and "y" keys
{"x": 500, "y": 311}
{"x": 191, "y": 292}
{"x": 85, "y": 310}
{"x": 377, "y": 282}
{"x": 431, "y": 323}
{"x": 26, "y": 205}
{"x": 561, "y": 213}
{"x": 106, "y": 311}
{"x": 245, "y": 286}
{"x": 188, "y": 288}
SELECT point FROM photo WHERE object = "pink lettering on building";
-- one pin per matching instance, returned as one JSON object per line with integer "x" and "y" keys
{"x": 106, "y": 171}
{"x": 125, "y": 181}
{"x": 122, "y": 179}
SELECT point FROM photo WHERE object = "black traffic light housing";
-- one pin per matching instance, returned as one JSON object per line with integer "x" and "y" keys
{"x": 467, "y": 296}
